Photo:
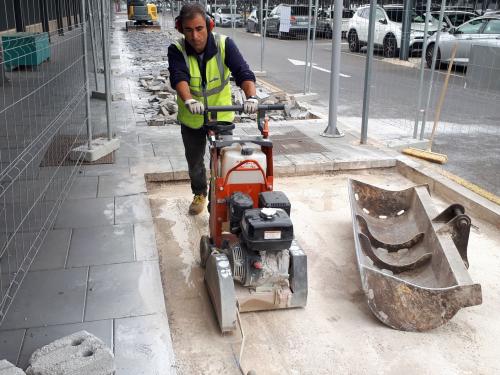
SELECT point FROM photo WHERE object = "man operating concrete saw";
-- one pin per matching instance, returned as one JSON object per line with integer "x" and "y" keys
{"x": 200, "y": 64}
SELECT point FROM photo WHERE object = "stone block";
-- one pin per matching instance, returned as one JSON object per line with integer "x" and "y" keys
{"x": 78, "y": 354}
{"x": 7, "y": 368}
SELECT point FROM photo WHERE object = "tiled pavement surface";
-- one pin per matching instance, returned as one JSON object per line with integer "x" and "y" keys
{"x": 98, "y": 268}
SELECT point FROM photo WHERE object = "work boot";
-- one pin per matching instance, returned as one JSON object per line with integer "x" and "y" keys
{"x": 197, "y": 205}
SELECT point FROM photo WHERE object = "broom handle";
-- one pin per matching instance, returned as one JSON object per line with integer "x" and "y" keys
{"x": 442, "y": 96}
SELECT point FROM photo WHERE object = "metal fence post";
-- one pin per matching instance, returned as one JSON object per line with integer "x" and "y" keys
{"x": 308, "y": 46}
{"x": 368, "y": 73}
{"x": 86, "y": 75}
{"x": 261, "y": 22}
{"x": 422, "y": 68}
{"x": 404, "y": 52}
{"x": 332, "y": 130}
{"x": 313, "y": 43}
{"x": 92, "y": 37}
{"x": 107, "y": 72}
{"x": 433, "y": 69}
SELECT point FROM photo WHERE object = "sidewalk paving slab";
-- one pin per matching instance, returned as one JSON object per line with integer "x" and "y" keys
{"x": 145, "y": 241}
{"x": 10, "y": 344}
{"x": 54, "y": 251}
{"x": 124, "y": 290}
{"x": 132, "y": 209}
{"x": 120, "y": 185}
{"x": 48, "y": 297}
{"x": 82, "y": 213}
{"x": 101, "y": 245}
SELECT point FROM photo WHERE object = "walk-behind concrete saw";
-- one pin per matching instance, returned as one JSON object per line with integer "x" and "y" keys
{"x": 252, "y": 261}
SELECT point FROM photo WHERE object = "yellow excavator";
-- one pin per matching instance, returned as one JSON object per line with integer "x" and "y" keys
{"x": 142, "y": 14}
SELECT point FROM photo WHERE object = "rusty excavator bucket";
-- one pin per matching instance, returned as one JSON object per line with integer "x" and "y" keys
{"x": 412, "y": 260}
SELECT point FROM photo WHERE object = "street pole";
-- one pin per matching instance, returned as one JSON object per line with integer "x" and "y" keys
{"x": 107, "y": 73}
{"x": 261, "y": 21}
{"x": 406, "y": 30}
{"x": 313, "y": 43}
{"x": 308, "y": 46}
{"x": 92, "y": 37}
{"x": 332, "y": 131}
{"x": 368, "y": 73}
{"x": 86, "y": 76}
{"x": 433, "y": 69}
{"x": 422, "y": 68}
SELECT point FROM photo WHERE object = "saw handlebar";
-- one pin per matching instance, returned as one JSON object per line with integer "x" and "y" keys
{"x": 239, "y": 108}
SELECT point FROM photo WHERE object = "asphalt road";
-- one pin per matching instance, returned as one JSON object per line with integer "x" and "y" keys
{"x": 470, "y": 120}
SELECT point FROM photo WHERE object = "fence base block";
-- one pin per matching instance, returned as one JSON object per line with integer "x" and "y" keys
{"x": 100, "y": 148}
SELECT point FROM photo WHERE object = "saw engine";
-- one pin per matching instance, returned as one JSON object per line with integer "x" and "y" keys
{"x": 261, "y": 258}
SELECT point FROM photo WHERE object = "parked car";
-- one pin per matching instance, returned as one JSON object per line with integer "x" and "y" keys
{"x": 452, "y": 18}
{"x": 299, "y": 21}
{"x": 325, "y": 22}
{"x": 484, "y": 30}
{"x": 225, "y": 18}
{"x": 387, "y": 29}
{"x": 253, "y": 23}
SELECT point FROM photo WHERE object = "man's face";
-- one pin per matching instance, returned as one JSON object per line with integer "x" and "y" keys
{"x": 196, "y": 33}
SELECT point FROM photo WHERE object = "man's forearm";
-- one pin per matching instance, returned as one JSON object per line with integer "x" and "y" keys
{"x": 248, "y": 88}
{"x": 183, "y": 91}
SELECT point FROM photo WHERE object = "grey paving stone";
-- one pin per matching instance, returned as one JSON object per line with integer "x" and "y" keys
{"x": 83, "y": 187}
{"x": 83, "y": 213}
{"x": 10, "y": 344}
{"x": 155, "y": 169}
{"x": 48, "y": 297}
{"x": 169, "y": 149}
{"x": 145, "y": 241}
{"x": 124, "y": 290}
{"x": 101, "y": 245}
{"x": 132, "y": 209}
{"x": 53, "y": 252}
{"x": 179, "y": 167}
{"x": 129, "y": 149}
{"x": 79, "y": 353}
{"x": 311, "y": 163}
{"x": 283, "y": 166}
{"x": 110, "y": 186}
{"x": 106, "y": 170}
{"x": 143, "y": 346}
{"x": 38, "y": 337}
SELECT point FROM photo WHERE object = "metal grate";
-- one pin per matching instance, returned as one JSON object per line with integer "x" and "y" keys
{"x": 290, "y": 141}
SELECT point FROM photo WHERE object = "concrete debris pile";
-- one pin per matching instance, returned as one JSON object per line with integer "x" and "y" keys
{"x": 150, "y": 58}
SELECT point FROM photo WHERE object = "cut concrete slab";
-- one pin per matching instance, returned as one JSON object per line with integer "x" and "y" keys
{"x": 150, "y": 351}
{"x": 326, "y": 334}
{"x": 7, "y": 368}
{"x": 110, "y": 186}
{"x": 124, "y": 290}
{"x": 78, "y": 354}
{"x": 144, "y": 240}
{"x": 132, "y": 209}
{"x": 100, "y": 147}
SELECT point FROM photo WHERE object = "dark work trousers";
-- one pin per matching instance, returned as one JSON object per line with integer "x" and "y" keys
{"x": 195, "y": 143}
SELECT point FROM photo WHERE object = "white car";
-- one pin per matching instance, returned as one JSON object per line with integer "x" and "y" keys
{"x": 484, "y": 31}
{"x": 387, "y": 29}
{"x": 223, "y": 18}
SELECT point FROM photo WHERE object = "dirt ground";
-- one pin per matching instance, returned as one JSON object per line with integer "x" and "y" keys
{"x": 336, "y": 333}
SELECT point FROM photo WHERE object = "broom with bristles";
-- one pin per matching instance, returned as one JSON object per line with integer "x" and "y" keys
{"x": 428, "y": 154}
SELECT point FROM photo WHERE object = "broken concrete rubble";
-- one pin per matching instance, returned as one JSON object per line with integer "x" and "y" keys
{"x": 7, "y": 368}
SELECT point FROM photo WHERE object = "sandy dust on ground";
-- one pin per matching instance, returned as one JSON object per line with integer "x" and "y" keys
{"x": 336, "y": 333}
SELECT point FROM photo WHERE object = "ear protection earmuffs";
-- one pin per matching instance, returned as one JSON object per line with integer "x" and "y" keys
{"x": 210, "y": 23}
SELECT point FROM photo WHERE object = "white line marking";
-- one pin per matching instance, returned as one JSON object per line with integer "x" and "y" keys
{"x": 302, "y": 63}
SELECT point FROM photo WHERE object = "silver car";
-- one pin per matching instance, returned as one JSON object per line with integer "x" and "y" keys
{"x": 226, "y": 18}
{"x": 483, "y": 30}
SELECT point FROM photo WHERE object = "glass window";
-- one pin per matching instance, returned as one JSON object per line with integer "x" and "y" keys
{"x": 493, "y": 27}
{"x": 471, "y": 27}
{"x": 457, "y": 19}
{"x": 395, "y": 15}
{"x": 379, "y": 15}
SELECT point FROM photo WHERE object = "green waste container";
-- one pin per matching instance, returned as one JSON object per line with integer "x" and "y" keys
{"x": 25, "y": 49}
